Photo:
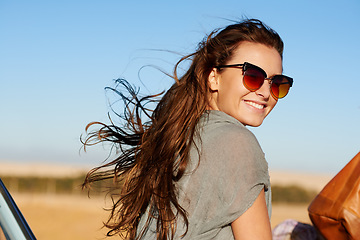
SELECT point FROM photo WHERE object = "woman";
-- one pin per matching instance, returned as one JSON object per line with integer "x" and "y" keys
{"x": 194, "y": 171}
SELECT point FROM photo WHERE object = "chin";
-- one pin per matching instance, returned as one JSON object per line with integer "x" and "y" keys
{"x": 253, "y": 123}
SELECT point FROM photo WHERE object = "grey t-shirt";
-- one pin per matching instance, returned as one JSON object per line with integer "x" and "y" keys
{"x": 224, "y": 184}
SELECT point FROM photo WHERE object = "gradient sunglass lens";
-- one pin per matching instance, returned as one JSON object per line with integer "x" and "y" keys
{"x": 280, "y": 86}
{"x": 253, "y": 78}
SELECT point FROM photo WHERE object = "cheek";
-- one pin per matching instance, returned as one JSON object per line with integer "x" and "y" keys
{"x": 233, "y": 89}
{"x": 272, "y": 103}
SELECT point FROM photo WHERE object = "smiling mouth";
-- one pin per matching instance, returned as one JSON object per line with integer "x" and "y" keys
{"x": 255, "y": 105}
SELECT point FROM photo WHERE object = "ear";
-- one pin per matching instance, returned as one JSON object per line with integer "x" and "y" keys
{"x": 213, "y": 80}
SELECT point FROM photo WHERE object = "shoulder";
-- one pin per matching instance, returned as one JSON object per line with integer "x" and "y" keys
{"x": 220, "y": 130}
{"x": 231, "y": 164}
{"x": 228, "y": 147}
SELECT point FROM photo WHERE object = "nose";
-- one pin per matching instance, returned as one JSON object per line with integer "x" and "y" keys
{"x": 264, "y": 90}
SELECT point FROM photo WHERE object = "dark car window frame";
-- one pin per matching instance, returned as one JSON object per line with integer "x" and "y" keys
{"x": 20, "y": 223}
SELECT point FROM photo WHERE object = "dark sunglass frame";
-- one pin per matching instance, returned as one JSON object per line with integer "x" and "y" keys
{"x": 245, "y": 66}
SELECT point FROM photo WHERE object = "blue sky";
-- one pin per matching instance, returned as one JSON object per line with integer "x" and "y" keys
{"x": 56, "y": 57}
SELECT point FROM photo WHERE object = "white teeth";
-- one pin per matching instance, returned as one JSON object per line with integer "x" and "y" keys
{"x": 255, "y": 105}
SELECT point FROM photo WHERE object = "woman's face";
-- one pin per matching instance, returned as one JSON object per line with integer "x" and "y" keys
{"x": 229, "y": 95}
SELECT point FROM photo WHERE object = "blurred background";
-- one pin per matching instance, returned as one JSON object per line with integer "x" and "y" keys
{"x": 56, "y": 58}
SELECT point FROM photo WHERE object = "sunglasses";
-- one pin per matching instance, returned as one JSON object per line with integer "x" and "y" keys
{"x": 255, "y": 76}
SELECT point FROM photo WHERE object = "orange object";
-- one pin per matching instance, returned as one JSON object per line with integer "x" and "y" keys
{"x": 335, "y": 211}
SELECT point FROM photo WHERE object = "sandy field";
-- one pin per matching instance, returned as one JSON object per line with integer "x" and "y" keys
{"x": 60, "y": 217}
{"x": 77, "y": 217}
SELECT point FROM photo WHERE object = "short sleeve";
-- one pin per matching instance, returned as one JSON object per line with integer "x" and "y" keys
{"x": 230, "y": 175}
{"x": 239, "y": 168}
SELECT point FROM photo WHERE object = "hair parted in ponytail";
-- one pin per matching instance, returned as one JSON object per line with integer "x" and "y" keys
{"x": 153, "y": 155}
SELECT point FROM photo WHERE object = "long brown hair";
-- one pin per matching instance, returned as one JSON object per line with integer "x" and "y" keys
{"x": 153, "y": 154}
